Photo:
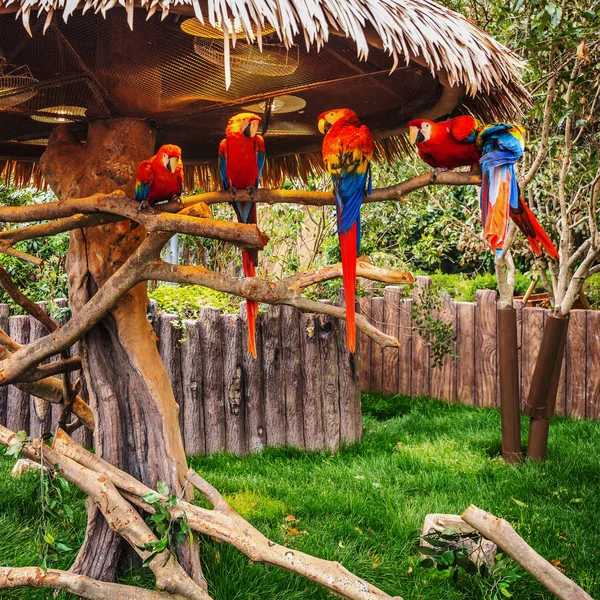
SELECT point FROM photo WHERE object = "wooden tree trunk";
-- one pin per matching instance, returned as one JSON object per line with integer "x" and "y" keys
{"x": 137, "y": 426}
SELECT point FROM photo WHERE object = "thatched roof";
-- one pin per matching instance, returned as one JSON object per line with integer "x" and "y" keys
{"x": 391, "y": 60}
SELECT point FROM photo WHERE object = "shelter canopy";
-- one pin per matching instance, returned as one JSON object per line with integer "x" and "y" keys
{"x": 122, "y": 63}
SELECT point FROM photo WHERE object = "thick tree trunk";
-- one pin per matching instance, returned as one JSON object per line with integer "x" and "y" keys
{"x": 137, "y": 426}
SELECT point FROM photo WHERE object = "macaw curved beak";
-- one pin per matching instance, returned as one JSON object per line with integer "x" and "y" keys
{"x": 324, "y": 126}
{"x": 172, "y": 163}
{"x": 251, "y": 129}
{"x": 413, "y": 132}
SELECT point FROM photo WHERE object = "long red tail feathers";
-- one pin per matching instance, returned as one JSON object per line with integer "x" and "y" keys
{"x": 249, "y": 266}
{"x": 497, "y": 217}
{"x": 348, "y": 252}
{"x": 525, "y": 220}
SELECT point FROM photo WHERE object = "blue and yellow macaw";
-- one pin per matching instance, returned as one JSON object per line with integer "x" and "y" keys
{"x": 501, "y": 146}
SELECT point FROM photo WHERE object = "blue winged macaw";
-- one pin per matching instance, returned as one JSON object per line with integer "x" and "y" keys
{"x": 347, "y": 152}
{"x": 160, "y": 177}
{"x": 501, "y": 146}
{"x": 241, "y": 161}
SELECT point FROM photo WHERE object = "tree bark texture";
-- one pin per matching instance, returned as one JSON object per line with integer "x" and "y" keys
{"x": 137, "y": 427}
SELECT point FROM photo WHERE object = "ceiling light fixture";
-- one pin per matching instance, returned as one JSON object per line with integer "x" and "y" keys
{"x": 54, "y": 114}
{"x": 281, "y": 104}
{"x": 274, "y": 61}
{"x": 17, "y": 84}
{"x": 194, "y": 27}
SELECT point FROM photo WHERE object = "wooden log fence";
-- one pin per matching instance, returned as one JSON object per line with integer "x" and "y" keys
{"x": 471, "y": 376}
{"x": 302, "y": 390}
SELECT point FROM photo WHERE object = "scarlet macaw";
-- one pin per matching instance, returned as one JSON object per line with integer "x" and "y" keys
{"x": 347, "y": 152}
{"x": 160, "y": 177}
{"x": 241, "y": 161}
{"x": 446, "y": 145}
{"x": 463, "y": 141}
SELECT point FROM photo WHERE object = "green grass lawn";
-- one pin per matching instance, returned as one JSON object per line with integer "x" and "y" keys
{"x": 365, "y": 505}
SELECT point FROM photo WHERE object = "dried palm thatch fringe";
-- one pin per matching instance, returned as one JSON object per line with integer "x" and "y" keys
{"x": 299, "y": 166}
{"x": 444, "y": 39}
{"x": 22, "y": 174}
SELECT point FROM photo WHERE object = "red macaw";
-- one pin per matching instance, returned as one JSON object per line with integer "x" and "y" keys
{"x": 347, "y": 152}
{"x": 241, "y": 161}
{"x": 464, "y": 141}
{"x": 160, "y": 177}
{"x": 446, "y": 145}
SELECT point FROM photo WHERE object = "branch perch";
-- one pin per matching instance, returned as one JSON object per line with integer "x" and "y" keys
{"x": 503, "y": 535}
{"x": 195, "y": 221}
{"x": 143, "y": 265}
{"x": 79, "y": 585}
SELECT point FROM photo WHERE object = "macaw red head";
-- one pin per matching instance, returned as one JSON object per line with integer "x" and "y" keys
{"x": 330, "y": 117}
{"x": 420, "y": 130}
{"x": 168, "y": 156}
{"x": 243, "y": 124}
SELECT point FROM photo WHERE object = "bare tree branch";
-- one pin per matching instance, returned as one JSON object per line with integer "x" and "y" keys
{"x": 195, "y": 221}
{"x": 501, "y": 533}
{"x": 79, "y": 585}
{"x": 545, "y": 134}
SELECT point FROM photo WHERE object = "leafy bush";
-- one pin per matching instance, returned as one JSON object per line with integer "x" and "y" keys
{"x": 187, "y": 301}
{"x": 463, "y": 288}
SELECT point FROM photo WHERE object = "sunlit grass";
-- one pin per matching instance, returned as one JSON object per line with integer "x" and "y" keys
{"x": 365, "y": 505}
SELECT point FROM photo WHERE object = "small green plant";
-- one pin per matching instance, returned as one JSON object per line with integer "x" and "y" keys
{"x": 167, "y": 530}
{"x": 438, "y": 334}
{"x": 16, "y": 444}
{"x": 453, "y": 552}
{"x": 56, "y": 506}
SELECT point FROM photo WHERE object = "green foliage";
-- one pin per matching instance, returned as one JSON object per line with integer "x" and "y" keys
{"x": 450, "y": 552}
{"x": 463, "y": 288}
{"x": 425, "y": 312}
{"x": 592, "y": 290}
{"x": 167, "y": 530}
{"x": 187, "y": 301}
{"x": 44, "y": 283}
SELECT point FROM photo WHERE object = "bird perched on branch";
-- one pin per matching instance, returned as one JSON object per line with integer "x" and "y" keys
{"x": 448, "y": 144}
{"x": 464, "y": 141}
{"x": 241, "y": 161}
{"x": 160, "y": 177}
{"x": 501, "y": 146}
{"x": 347, "y": 152}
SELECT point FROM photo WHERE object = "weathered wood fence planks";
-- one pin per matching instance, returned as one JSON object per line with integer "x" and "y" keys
{"x": 302, "y": 390}
{"x": 471, "y": 376}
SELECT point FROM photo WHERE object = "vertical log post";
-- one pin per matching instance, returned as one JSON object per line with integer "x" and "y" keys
{"x": 311, "y": 382}
{"x": 192, "y": 389}
{"x": 256, "y": 438}
{"x": 17, "y": 418}
{"x": 231, "y": 326}
{"x": 272, "y": 377}
{"x": 330, "y": 391}
{"x": 212, "y": 378}
{"x": 544, "y": 385}
{"x": 508, "y": 368}
{"x": 292, "y": 378}
{"x": 4, "y": 312}
{"x": 420, "y": 383}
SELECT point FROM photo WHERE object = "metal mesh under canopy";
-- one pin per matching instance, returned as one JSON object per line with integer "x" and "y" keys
{"x": 90, "y": 68}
